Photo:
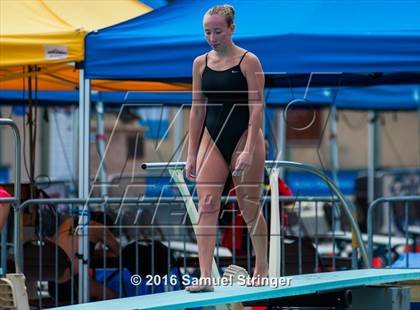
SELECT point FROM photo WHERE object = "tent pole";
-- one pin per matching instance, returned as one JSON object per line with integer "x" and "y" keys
{"x": 418, "y": 114}
{"x": 334, "y": 162}
{"x": 100, "y": 141}
{"x": 5, "y": 228}
{"x": 281, "y": 139}
{"x": 74, "y": 189}
{"x": 372, "y": 154}
{"x": 179, "y": 133}
{"x": 264, "y": 118}
{"x": 84, "y": 135}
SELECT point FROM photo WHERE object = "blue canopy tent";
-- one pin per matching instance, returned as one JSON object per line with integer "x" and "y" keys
{"x": 371, "y": 42}
{"x": 294, "y": 37}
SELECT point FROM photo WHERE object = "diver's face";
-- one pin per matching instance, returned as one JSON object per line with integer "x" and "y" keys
{"x": 218, "y": 33}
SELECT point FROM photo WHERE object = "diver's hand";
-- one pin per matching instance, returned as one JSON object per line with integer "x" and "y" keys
{"x": 243, "y": 163}
{"x": 190, "y": 168}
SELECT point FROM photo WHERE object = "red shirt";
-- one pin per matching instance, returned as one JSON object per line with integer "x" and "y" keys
{"x": 234, "y": 234}
{"x": 3, "y": 193}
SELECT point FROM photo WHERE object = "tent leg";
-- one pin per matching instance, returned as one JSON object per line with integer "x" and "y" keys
{"x": 334, "y": 163}
{"x": 84, "y": 169}
{"x": 179, "y": 133}
{"x": 281, "y": 139}
{"x": 100, "y": 140}
{"x": 373, "y": 144}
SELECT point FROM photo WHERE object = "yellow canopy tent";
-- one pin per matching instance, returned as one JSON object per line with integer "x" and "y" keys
{"x": 50, "y": 33}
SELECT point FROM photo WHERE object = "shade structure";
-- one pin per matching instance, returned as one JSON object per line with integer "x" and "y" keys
{"x": 48, "y": 31}
{"x": 31, "y": 30}
{"x": 288, "y": 36}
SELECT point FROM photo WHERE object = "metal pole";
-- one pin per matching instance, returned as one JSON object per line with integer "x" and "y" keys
{"x": 372, "y": 154}
{"x": 374, "y": 204}
{"x": 16, "y": 196}
{"x": 1, "y": 139}
{"x": 100, "y": 141}
{"x": 4, "y": 249}
{"x": 45, "y": 143}
{"x": 263, "y": 119}
{"x": 281, "y": 143}
{"x": 418, "y": 114}
{"x": 5, "y": 228}
{"x": 275, "y": 255}
{"x": 138, "y": 201}
{"x": 373, "y": 163}
{"x": 76, "y": 149}
{"x": 179, "y": 133}
{"x": 84, "y": 159}
{"x": 334, "y": 162}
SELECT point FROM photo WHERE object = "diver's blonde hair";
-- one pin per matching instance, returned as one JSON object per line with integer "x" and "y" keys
{"x": 227, "y": 10}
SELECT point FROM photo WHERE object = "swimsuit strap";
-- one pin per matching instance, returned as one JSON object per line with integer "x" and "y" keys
{"x": 242, "y": 58}
{"x": 206, "y": 58}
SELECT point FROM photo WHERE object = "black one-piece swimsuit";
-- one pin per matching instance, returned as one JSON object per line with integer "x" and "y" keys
{"x": 227, "y": 112}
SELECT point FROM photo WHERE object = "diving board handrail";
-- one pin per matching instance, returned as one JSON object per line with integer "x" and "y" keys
{"x": 374, "y": 205}
{"x": 346, "y": 205}
{"x": 152, "y": 200}
{"x": 15, "y": 200}
{"x": 178, "y": 176}
{"x": 275, "y": 251}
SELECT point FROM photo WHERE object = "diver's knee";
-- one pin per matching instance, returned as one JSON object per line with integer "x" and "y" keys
{"x": 208, "y": 204}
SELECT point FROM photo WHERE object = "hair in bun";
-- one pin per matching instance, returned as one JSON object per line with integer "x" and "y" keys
{"x": 227, "y": 10}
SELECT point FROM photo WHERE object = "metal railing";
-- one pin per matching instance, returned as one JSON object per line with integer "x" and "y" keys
{"x": 15, "y": 200}
{"x": 176, "y": 171}
{"x": 391, "y": 242}
{"x": 117, "y": 262}
{"x": 302, "y": 262}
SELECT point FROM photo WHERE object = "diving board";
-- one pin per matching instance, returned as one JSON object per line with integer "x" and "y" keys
{"x": 300, "y": 285}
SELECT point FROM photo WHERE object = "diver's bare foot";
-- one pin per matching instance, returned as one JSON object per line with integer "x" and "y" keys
{"x": 199, "y": 288}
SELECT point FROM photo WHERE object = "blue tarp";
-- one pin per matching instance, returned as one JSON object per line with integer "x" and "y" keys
{"x": 304, "y": 184}
{"x": 296, "y": 36}
{"x": 412, "y": 258}
{"x": 301, "y": 183}
{"x": 4, "y": 174}
{"x": 388, "y": 97}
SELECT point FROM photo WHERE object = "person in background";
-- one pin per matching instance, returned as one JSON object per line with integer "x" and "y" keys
{"x": 4, "y": 208}
{"x": 67, "y": 239}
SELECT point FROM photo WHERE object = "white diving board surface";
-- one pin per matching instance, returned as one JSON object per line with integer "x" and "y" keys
{"x": 300, "y": 285}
